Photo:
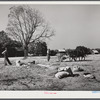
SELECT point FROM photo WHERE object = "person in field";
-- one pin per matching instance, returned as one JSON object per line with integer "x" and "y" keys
{"x": 48, "y": 54}
{"x": 6, "y": 59}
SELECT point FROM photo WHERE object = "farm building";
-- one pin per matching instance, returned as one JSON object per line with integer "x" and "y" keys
{"x": 95, "y": 51}
{"x": 60, "y": 53}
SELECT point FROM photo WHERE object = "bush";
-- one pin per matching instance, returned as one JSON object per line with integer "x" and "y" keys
{"x": 53, "y": 52}
{"x": 38, "y": 48}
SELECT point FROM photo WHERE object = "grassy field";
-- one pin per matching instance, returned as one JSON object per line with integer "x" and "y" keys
{"x": 35, "y": 77}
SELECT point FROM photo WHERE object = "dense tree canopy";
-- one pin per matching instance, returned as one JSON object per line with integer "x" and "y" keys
{"x": 79, "y": 52}
{"x": 5, "y": 41}
{"x": 38, "y": 48}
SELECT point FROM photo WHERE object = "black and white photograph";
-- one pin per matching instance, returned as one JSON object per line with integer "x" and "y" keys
{"x": 49, "y": 47}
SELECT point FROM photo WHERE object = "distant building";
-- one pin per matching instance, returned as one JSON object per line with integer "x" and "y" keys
{"x": 95, "y": 51}
{"x": 60, "y": 53}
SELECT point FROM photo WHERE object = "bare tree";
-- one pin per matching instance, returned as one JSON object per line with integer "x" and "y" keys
{"x": 26, "y": 24}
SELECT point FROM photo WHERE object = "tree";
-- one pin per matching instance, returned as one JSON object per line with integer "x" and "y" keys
{"x": 82, "y": 51}
{"x": 4, "y": 39}
{"x": 72, "y": 53}
{"x": 38, "y": 48}
{"x": 26, "y": 25}
{"x": 53, "y": 52}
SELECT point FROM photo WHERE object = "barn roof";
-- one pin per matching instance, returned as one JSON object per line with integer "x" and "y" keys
{"x": 95, "y": 51}
{"x": 61, "y": 50}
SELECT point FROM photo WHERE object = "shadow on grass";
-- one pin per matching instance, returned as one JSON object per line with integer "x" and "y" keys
{"x": 75, "y": 75}
{"x": 77, "y": 61}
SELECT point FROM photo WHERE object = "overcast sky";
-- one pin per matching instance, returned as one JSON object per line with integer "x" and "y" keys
{"x": 74, "y": 25}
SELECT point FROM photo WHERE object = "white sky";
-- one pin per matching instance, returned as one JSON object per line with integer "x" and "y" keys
{"x": 74, "y": 25}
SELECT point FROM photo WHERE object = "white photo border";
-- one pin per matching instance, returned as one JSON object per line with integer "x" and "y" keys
{"x": 50, "y": 94}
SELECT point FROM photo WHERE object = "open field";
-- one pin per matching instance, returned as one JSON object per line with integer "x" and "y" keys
{"x": 35, "y": 77}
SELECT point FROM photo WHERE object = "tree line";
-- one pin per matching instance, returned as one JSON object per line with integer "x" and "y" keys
{"x": 38, "y": 48}
{"x": 80, "y": 52}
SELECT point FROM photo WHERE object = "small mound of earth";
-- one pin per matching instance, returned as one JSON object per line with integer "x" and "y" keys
{"x": 88, "y": 75}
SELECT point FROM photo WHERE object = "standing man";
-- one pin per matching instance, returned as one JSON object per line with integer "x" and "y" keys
{"x": 5, "y": 53}
{"x": 48, "y": 54}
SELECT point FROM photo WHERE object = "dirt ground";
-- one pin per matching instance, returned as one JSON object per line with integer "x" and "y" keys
{"x": 39, "y": 77}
